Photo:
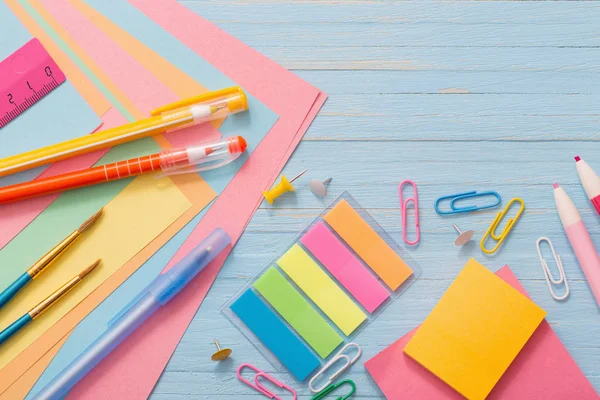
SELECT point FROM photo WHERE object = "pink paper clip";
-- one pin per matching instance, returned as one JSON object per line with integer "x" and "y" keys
{"x": 259, "y": 387}
{"x": 403, "y": 206}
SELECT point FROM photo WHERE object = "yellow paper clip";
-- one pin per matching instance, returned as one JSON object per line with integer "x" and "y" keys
{"x": 509, "y": 225}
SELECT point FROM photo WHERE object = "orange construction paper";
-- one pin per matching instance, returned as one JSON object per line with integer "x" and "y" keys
{"x": 181, "y": 84}
{"x": 198, "y": 192}
{"x": 21, "y": 374}
{"x": 84, "y": 86}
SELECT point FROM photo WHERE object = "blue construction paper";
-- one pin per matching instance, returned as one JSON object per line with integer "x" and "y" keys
{"x": 275, "y": 335}
{"x": 95, "y": 323}
{"x": 61, "y": 115}
{"x": 253, "y": 125}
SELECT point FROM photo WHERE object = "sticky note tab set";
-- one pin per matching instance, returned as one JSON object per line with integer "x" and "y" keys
{"x": 335, "y": 277}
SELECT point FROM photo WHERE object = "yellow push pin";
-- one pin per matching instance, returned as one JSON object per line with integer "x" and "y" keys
{"x": 282, "y": 187}
{"x": 220, "y": 354}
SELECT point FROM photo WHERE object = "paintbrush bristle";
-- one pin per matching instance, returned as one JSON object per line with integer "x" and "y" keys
{"x": 89, "y": 269}
{"x": 90, "y": 221}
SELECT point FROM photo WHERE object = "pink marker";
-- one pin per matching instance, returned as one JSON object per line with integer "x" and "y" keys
{"x": 580, "y": 239}
{"x": 590, "y": 182}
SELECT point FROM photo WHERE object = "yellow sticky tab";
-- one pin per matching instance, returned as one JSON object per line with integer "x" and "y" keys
{"x": 321, "y": 289}
{"x": 475, "y": 331}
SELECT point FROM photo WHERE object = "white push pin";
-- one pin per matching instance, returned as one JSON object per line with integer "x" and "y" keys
{"x": 319, "y": 188}
{"x": 463, "y": 237}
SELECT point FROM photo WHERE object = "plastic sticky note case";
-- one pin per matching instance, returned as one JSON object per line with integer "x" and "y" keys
{"x": 334, "y": 278}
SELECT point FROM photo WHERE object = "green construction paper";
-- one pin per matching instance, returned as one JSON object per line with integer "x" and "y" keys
{"x": 65, "y": 215}
{"x": 78, "y": 61}
{"x": 298, "y": 312}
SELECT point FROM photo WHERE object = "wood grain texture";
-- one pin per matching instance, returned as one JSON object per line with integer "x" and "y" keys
{"x": 456, "y": 95}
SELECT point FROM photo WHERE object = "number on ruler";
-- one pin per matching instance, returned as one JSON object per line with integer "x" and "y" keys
{"x": 29, "y": 86}
{"x": 48, "y": 71}
{"x": 10, "y": 99}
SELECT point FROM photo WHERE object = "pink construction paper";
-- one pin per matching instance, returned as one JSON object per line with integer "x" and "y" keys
{"x": 345, "y": 267}
{"x": 132, "y": 370}
{"x": 16, "y": 216}
{"x": 543, "y": 370}
{"x": 126, "y": 73}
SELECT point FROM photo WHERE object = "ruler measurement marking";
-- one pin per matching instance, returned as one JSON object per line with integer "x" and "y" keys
{"x": 40, "y": 77}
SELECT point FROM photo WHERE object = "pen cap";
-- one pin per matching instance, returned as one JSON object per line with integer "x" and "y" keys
{"x": 202, "y": 157}
{"x": 189, "y": 266}
{"x": 204, "y": 108}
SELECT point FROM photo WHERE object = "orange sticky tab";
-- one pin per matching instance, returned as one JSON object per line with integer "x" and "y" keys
{"x": 369, "y": 246}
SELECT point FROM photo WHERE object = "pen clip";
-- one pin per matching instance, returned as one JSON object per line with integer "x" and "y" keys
{"x": 198, "y": 99}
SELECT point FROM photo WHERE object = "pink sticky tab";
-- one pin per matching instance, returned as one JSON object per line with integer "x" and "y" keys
{"x": 345, "y": 267}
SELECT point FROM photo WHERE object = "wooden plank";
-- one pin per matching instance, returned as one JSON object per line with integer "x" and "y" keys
{"x": 457, "y": 96}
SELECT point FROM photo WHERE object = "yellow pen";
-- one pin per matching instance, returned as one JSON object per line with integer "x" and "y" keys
{"x": 178, "y": 115}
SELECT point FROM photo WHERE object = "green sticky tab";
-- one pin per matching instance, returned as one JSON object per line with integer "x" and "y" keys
{"x": 298, "y": 312}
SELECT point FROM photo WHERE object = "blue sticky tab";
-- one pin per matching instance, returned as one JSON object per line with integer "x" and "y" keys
{"x": 274, "y": 334}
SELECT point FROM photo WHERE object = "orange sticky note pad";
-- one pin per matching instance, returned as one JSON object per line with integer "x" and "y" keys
{"x": 369, "y": 246}
{"x": 475, "y": 331}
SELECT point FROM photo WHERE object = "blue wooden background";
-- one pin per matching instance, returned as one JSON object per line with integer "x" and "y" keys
{"x": 456, "y": 96}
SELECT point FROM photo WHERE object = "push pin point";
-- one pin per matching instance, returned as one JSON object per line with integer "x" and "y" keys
{"x": 319, "y": 188}
{"x": 220, "y": 354}
{"x": 282, "y": 187}
{"x": 463, "y": 237}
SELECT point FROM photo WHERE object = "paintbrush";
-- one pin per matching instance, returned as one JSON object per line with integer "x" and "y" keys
{"x": 45, "y": 304}
{"x": 46, "y": 260}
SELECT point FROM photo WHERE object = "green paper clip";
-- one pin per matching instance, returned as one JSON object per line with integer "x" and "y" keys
{"x": 334, "y": 386}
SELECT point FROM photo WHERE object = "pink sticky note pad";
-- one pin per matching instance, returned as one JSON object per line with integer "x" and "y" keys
{"x": 345, "y": 267}
{"x": 543, "y": 370}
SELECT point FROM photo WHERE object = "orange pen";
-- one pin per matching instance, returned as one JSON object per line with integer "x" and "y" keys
{"x": 175, "y": 161}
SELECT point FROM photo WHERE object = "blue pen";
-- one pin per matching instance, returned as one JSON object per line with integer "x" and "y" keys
{"x": 158, "y": 293}
{"x": 44, "y": 262}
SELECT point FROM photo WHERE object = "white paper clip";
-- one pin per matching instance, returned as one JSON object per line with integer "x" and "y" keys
{"x": 339, "y": 356}
{"x": 562, "y": 278}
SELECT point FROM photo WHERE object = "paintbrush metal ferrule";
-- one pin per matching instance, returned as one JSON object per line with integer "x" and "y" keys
{"x": 60, "y": 292}
{"x": 53, "y": 254}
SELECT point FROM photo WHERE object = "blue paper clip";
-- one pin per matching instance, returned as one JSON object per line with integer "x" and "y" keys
{"x": 322, "y": 394}
{"x": 466, "y": 195}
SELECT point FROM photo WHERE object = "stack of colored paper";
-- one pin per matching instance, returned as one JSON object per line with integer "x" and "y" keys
{"x": 488, "y": 345}
{"x": 124, "y": 59}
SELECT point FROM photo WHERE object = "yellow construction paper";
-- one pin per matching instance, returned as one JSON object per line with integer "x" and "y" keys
{"x": 23, "y": 385}
{"x": 33, "y": 360}
{"x": 475, "y": 331}
{"x": 20, "y": 375}
{"x": 321, "y": 289}
{"x": 130, "y": 221}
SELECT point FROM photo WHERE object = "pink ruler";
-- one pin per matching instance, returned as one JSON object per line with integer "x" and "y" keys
{"x": 26, "y": 76}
